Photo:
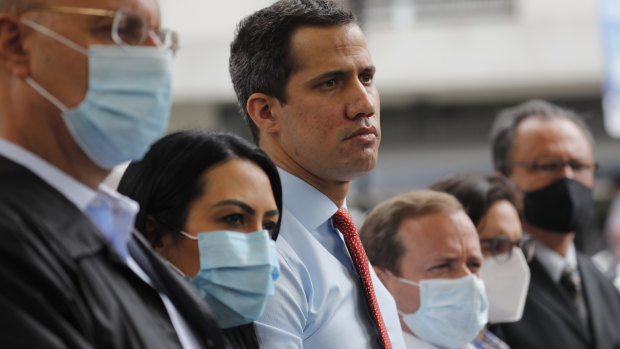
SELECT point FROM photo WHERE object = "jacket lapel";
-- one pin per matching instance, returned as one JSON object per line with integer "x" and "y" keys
{"x": 550, "y": 295}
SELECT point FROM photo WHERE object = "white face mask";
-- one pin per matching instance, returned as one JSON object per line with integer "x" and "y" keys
{"x": 452, "y": 311}
{"x": 506, "y": 285}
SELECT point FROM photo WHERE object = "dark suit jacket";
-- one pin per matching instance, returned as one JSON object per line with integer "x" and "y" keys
{"x": 62, "y": 284}
{"x": 550, "y": 319}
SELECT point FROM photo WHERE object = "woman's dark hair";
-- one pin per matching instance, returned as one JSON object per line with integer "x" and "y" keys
{"x": 170, "y": 177}
{"x": 478, "y": 193}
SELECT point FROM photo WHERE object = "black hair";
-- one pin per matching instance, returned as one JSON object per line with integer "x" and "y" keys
{"x": 260, "y": 57}
{"x": 478, "y": 193}
{"x": 170, "y": 176}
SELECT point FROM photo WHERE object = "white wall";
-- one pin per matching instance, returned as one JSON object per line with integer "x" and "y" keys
{"x": 549, "y": 48}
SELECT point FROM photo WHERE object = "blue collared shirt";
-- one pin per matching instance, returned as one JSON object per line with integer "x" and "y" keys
{"x": 318, "y": 302}
{"x": 113, "y": 213}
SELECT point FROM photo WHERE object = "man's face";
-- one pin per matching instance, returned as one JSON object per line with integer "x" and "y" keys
{"x": 558, "y": 138}
{"x": 329, "y": 125}
{"x": 62, "y": 70}
{"x": 440, "y": 245}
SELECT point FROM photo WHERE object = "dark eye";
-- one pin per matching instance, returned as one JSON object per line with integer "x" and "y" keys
{"x": 474, "y": 266}
{"x": 329, "y": 83}
{"x": 270, "y": 227}
{"x": 234, "y": 219}
{"x": 553, "y": 166}
{"x": 366, "y": 78}
{"x": 576, "y": 166}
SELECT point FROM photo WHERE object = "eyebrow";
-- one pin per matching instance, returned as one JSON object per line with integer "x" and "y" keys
{"x": 238, "y": 203}
{"x": 338, "y": 73}
{"x": 271, "y": 213}
{"x": 245, "y": 207}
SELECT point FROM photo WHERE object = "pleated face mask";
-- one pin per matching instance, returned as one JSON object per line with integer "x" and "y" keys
{"x": 237, "y": 274}
{"x": 452, "y": 311}
{"x": 127, "y": 104}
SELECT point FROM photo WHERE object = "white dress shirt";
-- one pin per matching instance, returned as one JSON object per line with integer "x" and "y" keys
{"x": 319, "y": 302}
{"x": 553, "y": 262}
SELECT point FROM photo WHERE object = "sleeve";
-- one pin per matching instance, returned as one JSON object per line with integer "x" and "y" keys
{"x": 38, "y": 310}
{"x": 284, "y": 319}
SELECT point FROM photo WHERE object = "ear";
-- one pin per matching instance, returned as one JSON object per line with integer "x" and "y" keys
{"x": 153, "y": 233}
{"x": 264, "y": 111}
{"x": 13, "y": 56}
{"x": 383, "y": 275}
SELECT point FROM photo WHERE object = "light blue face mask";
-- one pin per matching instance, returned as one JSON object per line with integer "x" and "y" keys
{"x": 452, "y": 311}
{"x": 237, "y": 274}
{"x": 127, "y": 105}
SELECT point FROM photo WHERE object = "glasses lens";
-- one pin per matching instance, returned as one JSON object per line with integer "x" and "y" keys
{"x": 528, "y": 246}
{"x": 129, "y": 29}
{"x": 167, "y": 38}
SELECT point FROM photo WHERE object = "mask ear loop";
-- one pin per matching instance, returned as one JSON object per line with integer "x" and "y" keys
{"x": 187, "y": 235}
{"x": 413, "y": 283}
{"x": 52, "y": 34}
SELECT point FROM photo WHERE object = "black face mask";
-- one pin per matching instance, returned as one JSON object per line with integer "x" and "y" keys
{"x": 563, "y": 206}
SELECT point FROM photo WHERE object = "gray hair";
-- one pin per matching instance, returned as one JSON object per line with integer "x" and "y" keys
{"x": 504, "y": 128}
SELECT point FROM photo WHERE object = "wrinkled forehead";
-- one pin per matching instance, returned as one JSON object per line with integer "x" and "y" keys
{"x": 146, "y": 8}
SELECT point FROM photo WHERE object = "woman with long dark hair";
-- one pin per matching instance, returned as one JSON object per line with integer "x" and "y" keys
{"x": 210, "y": 204}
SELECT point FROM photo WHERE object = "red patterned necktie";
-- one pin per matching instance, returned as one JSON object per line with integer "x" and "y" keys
{"x": 343, "y": 221}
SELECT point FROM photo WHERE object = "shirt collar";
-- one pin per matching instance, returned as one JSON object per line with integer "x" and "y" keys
{"x": 122, "y": 210}
{"x": 553, "y": 262}
{"x": 311, "y": 207}
{"x": 76, "y": 192}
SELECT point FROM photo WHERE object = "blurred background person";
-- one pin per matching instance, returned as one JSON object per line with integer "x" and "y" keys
{"x": 425, "y": 249}
{"x": 492, "y": 204}
{"x": 210, "y": 205}
{"x": 547, "y": 151}
{"x": 608, "y": 260}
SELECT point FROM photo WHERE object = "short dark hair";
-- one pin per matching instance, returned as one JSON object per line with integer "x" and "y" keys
{"x": 504, "y": 128}
{"x": 379, "y": 233}
{"x": 478, "y": 193}
{"x": 260, "y": 57}
{"x": 170, "y": 176}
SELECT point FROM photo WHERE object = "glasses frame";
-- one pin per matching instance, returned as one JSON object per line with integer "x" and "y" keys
{"x": 579, "y": 168}
{"x": 167, "y": 37}
{"x": 526, "y": 244}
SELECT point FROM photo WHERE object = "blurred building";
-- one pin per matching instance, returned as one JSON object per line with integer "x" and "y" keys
{"x": 444, "y": 68}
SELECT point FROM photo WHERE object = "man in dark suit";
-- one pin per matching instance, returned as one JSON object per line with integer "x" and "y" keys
{"x": 547, "y": 151}
{"x": 84, "y": 86}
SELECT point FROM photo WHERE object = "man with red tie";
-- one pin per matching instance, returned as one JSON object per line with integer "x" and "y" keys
{"x": 305, "y": 81}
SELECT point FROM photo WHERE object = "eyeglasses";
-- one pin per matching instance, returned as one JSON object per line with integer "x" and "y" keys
{"x": 553, "y": 167}
{"x": 498, "y": 246}
{"x": 128, "y": 29}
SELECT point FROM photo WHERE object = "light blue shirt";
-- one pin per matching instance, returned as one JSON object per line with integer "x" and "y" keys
{"x": 113, "y": 213}
{"x": 319, "y": 302}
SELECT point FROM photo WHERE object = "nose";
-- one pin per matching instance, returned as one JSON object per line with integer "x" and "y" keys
{"x": 462, "y": 271}
{"x": 567, "y": 171}
{"x": 153, "y": 39}
{"x": 361, "y": 101}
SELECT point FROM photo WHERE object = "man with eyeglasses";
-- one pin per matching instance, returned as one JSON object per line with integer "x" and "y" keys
{"x": 547, "y": 151}
{"x": 84, "y": 86}
{"x": 425, "y": 250}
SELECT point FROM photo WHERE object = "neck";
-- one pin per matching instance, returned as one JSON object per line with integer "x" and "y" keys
{"x": 43, "y": 132}
{"x": 335, "y": 190}
{"x": 557, "y": 242}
